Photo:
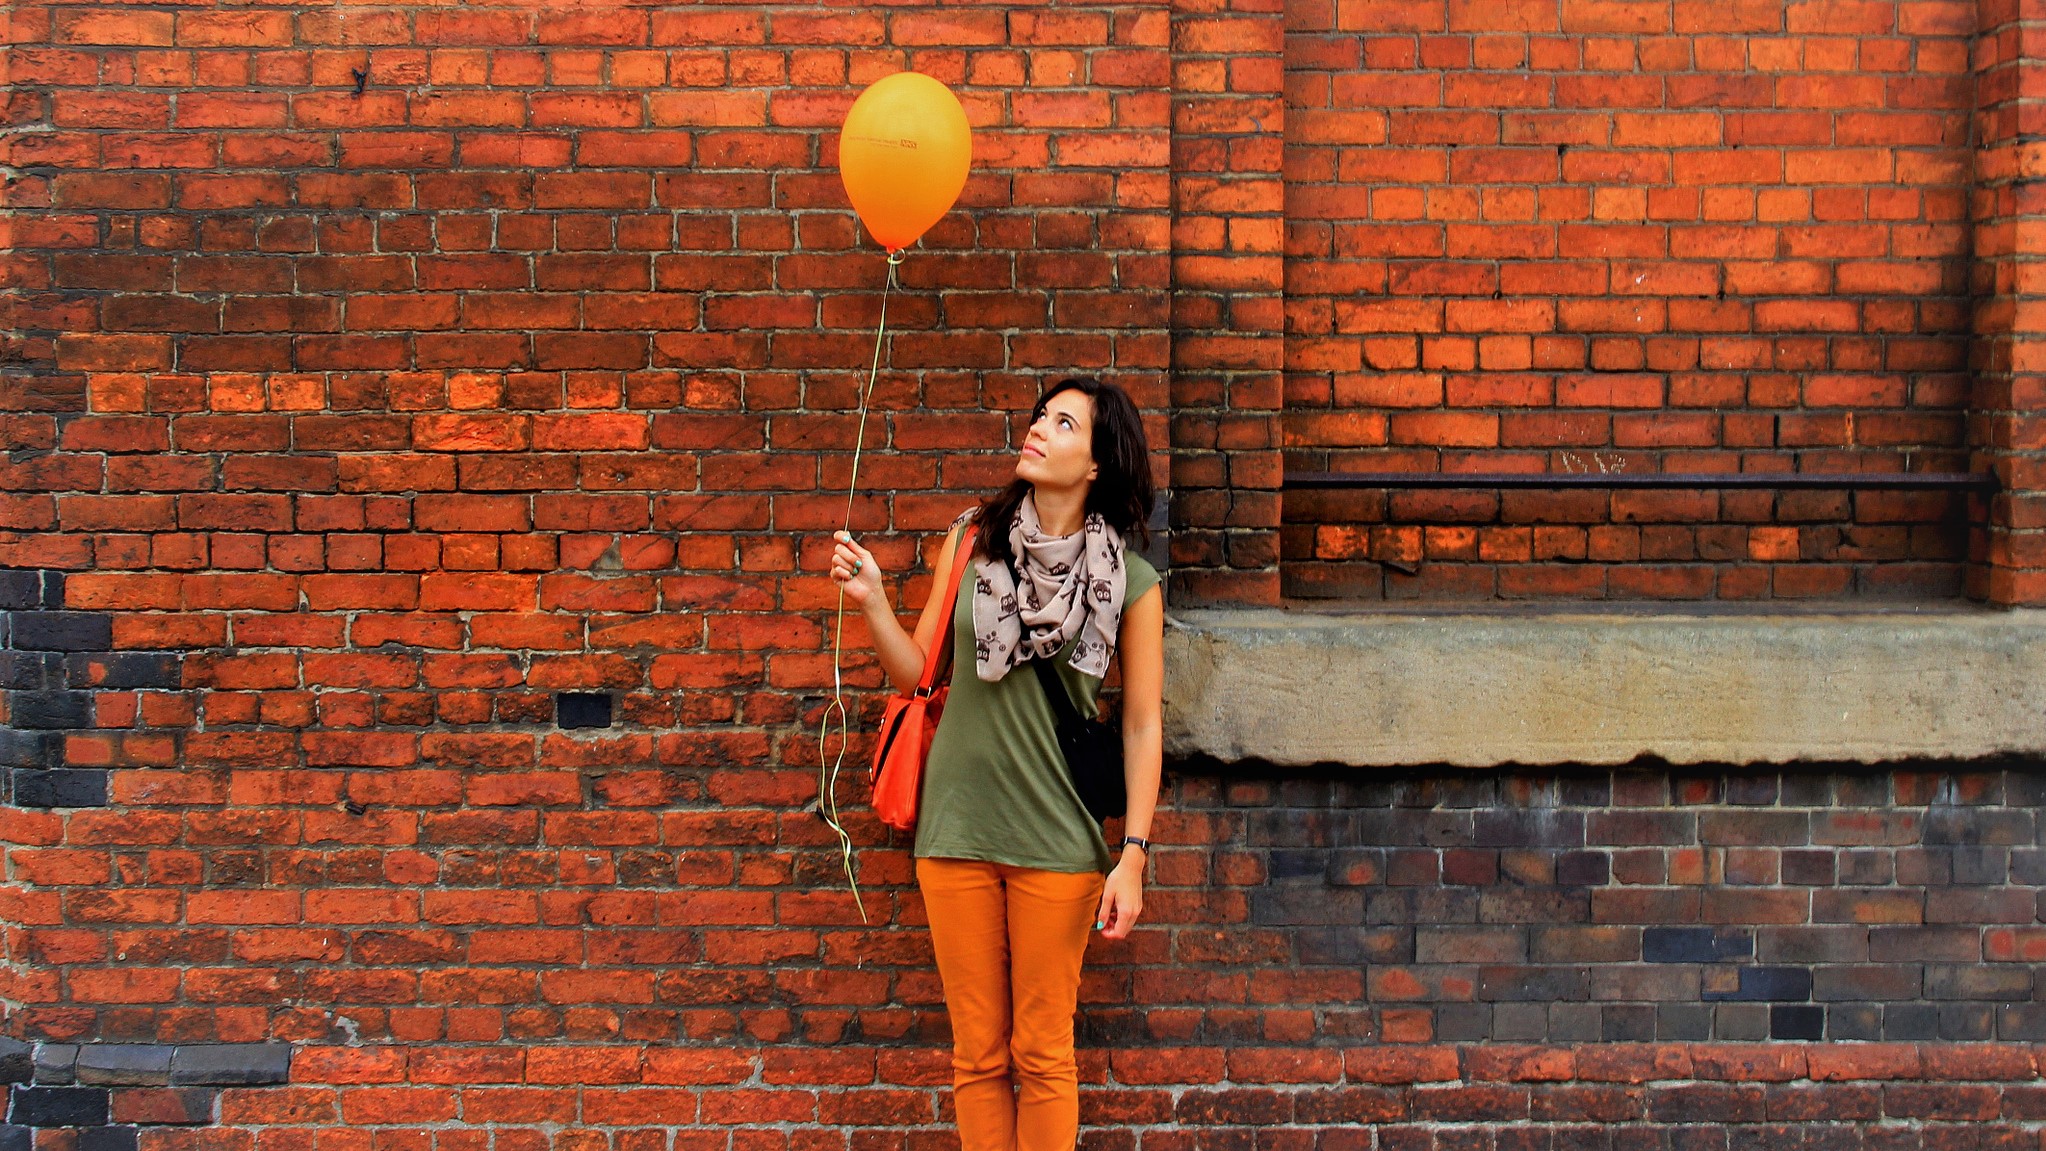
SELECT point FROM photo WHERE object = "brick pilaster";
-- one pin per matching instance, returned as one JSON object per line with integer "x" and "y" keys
{"x": 2007, "y": 424}
{"x": 1228, "y": 299}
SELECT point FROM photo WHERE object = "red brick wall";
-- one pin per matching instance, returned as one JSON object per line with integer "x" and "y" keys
{"x": 349, "y": 428}
{"x": 1629, "y": 237}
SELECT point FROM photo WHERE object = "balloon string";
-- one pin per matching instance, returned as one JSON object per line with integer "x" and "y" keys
{"x": 827, "y": 774}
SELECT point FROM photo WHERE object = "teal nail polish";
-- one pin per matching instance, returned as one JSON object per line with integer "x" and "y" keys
{"x": 1098, "y": 925}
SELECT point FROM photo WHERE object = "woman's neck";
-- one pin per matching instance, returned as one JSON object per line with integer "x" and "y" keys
{"x": 1060, "y": 513}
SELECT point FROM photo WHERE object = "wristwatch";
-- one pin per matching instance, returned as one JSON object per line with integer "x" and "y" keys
{"x": 1143, "y": 843}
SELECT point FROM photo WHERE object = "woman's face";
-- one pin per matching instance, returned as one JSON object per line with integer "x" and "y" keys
{"x": 1058, "y": 452}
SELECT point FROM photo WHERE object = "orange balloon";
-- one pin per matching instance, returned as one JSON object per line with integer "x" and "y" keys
{"x": 903, "y": 154}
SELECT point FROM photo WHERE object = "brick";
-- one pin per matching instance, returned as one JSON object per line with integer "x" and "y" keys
{"x": 58, "y": 1106}
{"x": 60, "y": 787}
{"x": 124, "y": 1064}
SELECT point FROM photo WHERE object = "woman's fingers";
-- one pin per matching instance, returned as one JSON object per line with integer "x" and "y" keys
{"x": 851, "y": 556}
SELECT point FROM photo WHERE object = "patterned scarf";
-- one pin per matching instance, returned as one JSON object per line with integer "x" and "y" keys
{"x": 1062, "y": 586}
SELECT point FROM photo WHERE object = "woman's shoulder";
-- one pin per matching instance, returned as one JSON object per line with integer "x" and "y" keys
{"x": 1141, "y": 576}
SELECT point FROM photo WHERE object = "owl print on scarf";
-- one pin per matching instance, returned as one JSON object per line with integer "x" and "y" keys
{"x": 1060, "y": 588}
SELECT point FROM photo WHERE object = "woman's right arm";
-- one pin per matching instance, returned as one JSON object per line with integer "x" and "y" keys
{"x": 902, "y": 654}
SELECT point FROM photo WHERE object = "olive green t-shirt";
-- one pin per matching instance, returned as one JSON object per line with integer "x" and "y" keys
{"x": 995, "y": 785}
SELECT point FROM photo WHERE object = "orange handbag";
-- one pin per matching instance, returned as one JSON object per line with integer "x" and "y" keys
{"x": 909, "y": 721}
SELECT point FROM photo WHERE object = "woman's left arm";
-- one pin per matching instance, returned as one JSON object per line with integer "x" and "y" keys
{"x": 1141, "y": 645}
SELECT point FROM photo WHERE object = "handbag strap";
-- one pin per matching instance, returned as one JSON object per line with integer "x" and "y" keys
{"x": 1055, "y": 692}
{"x": 940, "y": 654}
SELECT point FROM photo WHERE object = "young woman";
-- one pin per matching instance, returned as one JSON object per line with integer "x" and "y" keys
{"x": 1010, "y": 864}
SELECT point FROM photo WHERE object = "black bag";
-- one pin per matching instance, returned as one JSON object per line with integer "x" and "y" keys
{"x": 1093, "y": 749}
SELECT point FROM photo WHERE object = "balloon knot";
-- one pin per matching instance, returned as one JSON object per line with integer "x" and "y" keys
{"x": 894, "y": 256}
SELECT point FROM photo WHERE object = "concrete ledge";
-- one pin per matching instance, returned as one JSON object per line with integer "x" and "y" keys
{"x": 1481, "y": 688}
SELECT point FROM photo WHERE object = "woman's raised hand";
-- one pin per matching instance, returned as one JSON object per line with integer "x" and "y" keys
{"x": 853, "y": 567}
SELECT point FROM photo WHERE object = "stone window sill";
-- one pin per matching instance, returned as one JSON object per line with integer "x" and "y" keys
{"x": 1605, "y": 684}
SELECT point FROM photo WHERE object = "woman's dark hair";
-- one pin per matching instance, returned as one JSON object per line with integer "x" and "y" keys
{"x": 1122, "y": 491}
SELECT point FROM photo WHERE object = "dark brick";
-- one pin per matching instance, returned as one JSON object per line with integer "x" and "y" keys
{"x": 1520, "y": 1022}
{"x": 1983, "y": 981}
{"x": 1466, "y": 867}
{"x": 1296, "y": 864}
{"x": 1351, "y": 945}
{"x": 2021, "y": 1023}
{"x": 1966, "y": 1021}
{"x": 27, "y": 749}
{"x": 1525, "y": 905}
{"x": 1924, "y": 944}
{"x": 53, "y": 590}
{"x": 49, "y": 710}
{"x": 1695, "y": 944}
{"x": 1867, "y": 983}
{"x": 63, "y": 631}
{"x": 1767, "y": 983}
{"x": 2028, "y": 866}
{"x": 1584, "y": 944}
{"x": 1707, "y": 1103}
{"x": 231, "y": 1064}
{"x": 1809, "y": 868}
{"x": 1925, "y": 867}
{"x": 1908, "y": 1022}
{"x": 20, "y": 589}
{"x": 1755, "y": 828}
{"x": 17, "y": 1061}
{"x": 1413, "y": 867}
{"x": 1871, "y": 789}
{"x": 1584, "y": 868}
{"x": 1751, "y": 790}
{"x": 1586, "y": 790}
{"x": 108, "y": 1139}
{"x": 1279, "y": 906}
{"x": 1794, "y": 1021}
{"x": 1533, "y": 984}
{"x": 1640, "y": 828}
{"x": 1313, "y": 794}
{"x": 59, "y": 1106}
{"x": 1865, "y": 866}
{"x": 1463, "y": 1022}
{"x": 1683, "y": 1022}
{"x": 1862, "y": 1021}
{"x": 2025, "y": 787}
{"x": 21, "y": 671}
{"x": 124, "y": 1064}
{"x": 126, "y": 670}
{"x": 1981, "y": 865}
{"x": 1806, "y": 789}
{"x": 1537, "y": 827}
{"x": 1975, "y": 826}
{"x": 1627, "y": 1023}
{"x": 1288, "y": 828}
{"x": 16, "y": 1138}
{"x": 61, "y": 787}
{"x": 1981, "y": 905}
{"x": 1740, "y": 1021}
{"x": 582, "y": 709}
{"x": 1354, "y": 867}
{"x": 56, "y": 1063}
{"x": 1574, "y": 1023}
{"x": 1470, "y": 945}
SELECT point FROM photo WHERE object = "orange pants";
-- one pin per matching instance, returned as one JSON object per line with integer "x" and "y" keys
{"x": 1009, "y": 941}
